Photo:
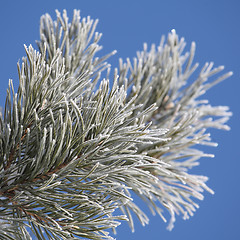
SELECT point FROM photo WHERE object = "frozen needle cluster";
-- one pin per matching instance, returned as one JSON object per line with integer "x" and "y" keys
{"x": 78, "y": 141}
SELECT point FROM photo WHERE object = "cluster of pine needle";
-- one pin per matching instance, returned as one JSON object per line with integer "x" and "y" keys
{"x": 77, "y": 140}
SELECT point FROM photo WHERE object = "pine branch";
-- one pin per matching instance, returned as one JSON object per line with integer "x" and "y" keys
{"x": 74, "y": 149}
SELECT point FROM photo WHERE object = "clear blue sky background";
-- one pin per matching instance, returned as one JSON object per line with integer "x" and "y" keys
{"x": 215, "y": 27}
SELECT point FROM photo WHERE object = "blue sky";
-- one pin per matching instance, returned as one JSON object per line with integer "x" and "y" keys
{"x": 126, "y": 25}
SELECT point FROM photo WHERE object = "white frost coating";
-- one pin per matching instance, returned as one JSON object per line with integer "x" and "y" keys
{"x": 76, "y": 145}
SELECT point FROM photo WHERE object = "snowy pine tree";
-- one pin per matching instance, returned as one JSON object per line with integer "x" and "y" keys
{"x": 76, "y": 140}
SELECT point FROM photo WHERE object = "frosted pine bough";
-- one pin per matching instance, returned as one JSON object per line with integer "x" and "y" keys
{"x": 73, "y": 148}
